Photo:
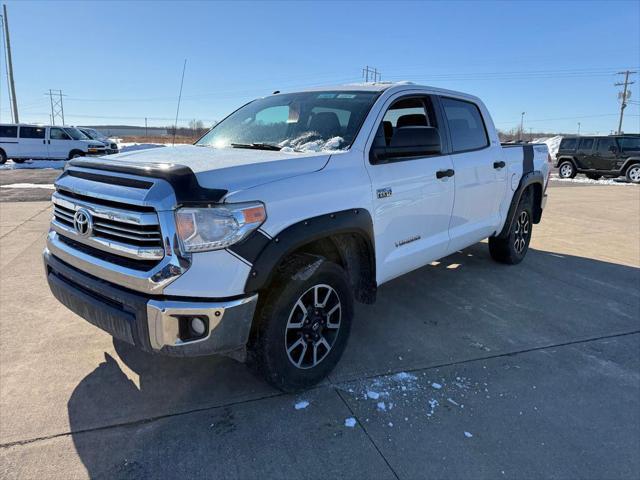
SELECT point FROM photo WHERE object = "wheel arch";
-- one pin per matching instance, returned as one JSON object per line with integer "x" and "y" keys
{"x": 534, "y": 182}
{"x": 565, "y": 158}
{"x": 345, "y": 237}
{"x": 629, "y": 162}
{"x": 74, "y": 151}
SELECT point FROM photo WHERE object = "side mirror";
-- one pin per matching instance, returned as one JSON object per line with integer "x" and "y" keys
{"x": 408, "y": 142}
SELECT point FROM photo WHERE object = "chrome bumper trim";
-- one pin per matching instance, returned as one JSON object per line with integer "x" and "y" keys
{"x": 229, "y": 324}
{"x": 152, "y": 281}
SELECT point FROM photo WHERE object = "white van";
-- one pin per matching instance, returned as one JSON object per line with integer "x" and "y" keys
{"x": 21, "y": 142}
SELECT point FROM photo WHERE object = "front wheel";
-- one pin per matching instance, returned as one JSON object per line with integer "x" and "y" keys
{"x": 513, "y": 248}
{"x": 302, "y": 323}
{"x": 633, "y": 173}
{"x": 567, "y": 170}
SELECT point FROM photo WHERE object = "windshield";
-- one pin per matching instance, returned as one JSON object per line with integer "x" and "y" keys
{"x": 76, "y": 134}
{"x": 90, "y": 133}
{"x": 308, "y": 121}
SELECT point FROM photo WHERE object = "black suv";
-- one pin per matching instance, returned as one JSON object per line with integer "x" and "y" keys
{"x": 610, "y": 156}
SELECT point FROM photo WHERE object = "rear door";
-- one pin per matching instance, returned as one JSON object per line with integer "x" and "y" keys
{"x": 60, "y": 143}
{"x": 32, "y": 142}
{"x": 584, "y": 154}
{"x": 412, "y": 201}
{"x": 605, "y": 154}
{"x": 480, "y": 174}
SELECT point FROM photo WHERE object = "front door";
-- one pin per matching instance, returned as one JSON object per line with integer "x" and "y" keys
{"x": 480, "y": 175}
{"x": 59, "y": 143}
{"x": 605, "y": 154}
{"x": 32, "y": 142}
{"x": 412, "y": 201}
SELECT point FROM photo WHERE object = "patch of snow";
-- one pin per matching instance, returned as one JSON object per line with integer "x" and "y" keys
{"x": 373, "y": 395}
{"x": 468, "y": 435}
{"x": 48, "y": 186}
{"x": 437, "y": 386}
{"x": 453, "y": 402}
{"x": 304, "y": 143}
{"x": 350, "y": 422}
{"x": 301, "y": 404}
{"x": 433, "y": 403}
{"x": 381, "y": 406}
{"x": 33, "y": 164}
{"x": 402, "y": 376}
{"x": 589, "y": 181}
{"x": 390, "y": 424}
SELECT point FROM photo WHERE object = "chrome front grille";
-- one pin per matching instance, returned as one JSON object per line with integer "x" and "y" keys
{"x": 124, "y": 232}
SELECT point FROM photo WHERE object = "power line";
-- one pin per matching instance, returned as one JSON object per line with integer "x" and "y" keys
{"x": 57, "y": 107}
{"x": 624, "y": 95}
{"x": 371, "y": 72}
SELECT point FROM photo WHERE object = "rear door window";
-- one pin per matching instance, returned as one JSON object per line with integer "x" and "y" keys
{"x": 466, "y": 125}
{"x": 586, "y": 144}
{"x": 605, "y": 144}
{"x": 32, "y": 132}
{"x": 8, "y": 131}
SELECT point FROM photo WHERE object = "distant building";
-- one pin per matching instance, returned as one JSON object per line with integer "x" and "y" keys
{"x": 130, "y": 131}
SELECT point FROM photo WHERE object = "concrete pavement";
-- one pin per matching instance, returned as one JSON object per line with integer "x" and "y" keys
{"x": 463, "y": 369}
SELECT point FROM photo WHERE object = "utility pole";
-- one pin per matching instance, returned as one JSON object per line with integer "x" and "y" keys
{"x": 371, "y": 72}
{"x": 57, "y": 107}
{"x": 521, "y": 126}
{"x": 146, "y": 131}
{"x": 578, "y": 128}
{"x": 12, "y": 85}
{"x": 624, "y": 95}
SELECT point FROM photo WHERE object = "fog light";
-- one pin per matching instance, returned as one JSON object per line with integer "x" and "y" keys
{"x": 198, "y": 327}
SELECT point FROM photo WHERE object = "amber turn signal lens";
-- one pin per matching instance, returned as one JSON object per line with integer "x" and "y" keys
{"x": 186, "y": 225}
{"x": 254, "y": 215}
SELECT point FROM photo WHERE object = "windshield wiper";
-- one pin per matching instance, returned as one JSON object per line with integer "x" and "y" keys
{"x": 257, "y": 146}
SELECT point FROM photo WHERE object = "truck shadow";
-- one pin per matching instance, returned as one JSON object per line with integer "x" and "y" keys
{"x": 446, "y": 312}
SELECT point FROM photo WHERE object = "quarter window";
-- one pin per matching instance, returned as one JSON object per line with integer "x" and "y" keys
{"x": 407, "y": 112}
{"x": 568, "y": 144}
{"x": 466, "y": 125}
{"x": 7, "y": 131}
{"x": 31, "y": 132}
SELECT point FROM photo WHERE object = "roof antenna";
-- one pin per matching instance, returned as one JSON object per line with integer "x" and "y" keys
{"x": 175, "y": 124}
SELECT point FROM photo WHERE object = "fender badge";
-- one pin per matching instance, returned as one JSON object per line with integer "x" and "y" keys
{"x": 384, "y": 192}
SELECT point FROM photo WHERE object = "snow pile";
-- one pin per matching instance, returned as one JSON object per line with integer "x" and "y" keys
{"x": 305, "y": 143}
{"x": 48, "y": 186}
{"x": 553, "y": 143}
{"x": 350, "y": 422}
{"x": 302, "y": 404}
{"x": 588, "y": 181}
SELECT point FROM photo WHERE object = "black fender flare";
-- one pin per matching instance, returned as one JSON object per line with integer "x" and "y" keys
{"x": 569, "y": 158}
{"x": 264, "y": 253}
{"x": 628, "y": 162}
{"x": 526, "y": 181}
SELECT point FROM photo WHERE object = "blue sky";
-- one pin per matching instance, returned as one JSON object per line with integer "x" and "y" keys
{"x": 119, "y": 62}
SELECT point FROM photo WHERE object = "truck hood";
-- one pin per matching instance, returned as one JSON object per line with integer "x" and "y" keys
{"x": 231, "y": 169}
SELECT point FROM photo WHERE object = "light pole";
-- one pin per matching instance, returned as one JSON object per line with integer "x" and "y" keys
{"x": 578, "y": 128}
{"x": 521, "y": 125}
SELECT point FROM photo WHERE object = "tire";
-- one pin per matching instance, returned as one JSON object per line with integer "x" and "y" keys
{"x": 3, "y": 157}
{"x": 284, "y": 338}
{"x": 567, "y": 170}
{"x": 19, "y": 160}
{"x": 633, "y": 173}
{"x": 512, "y": 249}
{"x": 594, "y": 176}
{"x": 75, "y": 154}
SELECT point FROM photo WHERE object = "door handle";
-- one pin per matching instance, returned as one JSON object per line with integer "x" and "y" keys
{"x": 445, "y": 173}
{"x": 497, "y": 165}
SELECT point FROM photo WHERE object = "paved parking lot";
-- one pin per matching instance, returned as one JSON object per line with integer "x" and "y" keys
{"x": 463, "y": 369}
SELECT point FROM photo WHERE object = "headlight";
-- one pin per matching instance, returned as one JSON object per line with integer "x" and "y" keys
{"x": 203, "y": 229}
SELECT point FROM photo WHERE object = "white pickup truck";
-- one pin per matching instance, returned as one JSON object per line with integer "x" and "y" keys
{"x": 256, "y": 241}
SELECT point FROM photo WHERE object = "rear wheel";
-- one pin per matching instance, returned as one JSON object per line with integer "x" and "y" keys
{"x": 633, "y": 173}
{"x": 302, "y": 323}
{"x": 19, "y": 160}
{"x": 3, "y": 157}
{"x": 513, "y": 248}
{"x": 567, "y": 170}
{"x": 75, "y": 154}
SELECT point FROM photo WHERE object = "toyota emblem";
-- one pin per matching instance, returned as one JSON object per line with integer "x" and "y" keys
{"x": 82, "y": 222}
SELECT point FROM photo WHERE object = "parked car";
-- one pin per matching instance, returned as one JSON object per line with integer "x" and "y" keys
{"x": 600, "y": 156}
{"x": 93, "y": 134}
{"x": 256, "y": 241}
{"x": 21, "y": 142}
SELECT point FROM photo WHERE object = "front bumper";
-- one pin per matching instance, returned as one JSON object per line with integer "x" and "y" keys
{"x": 150, "y": 323}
